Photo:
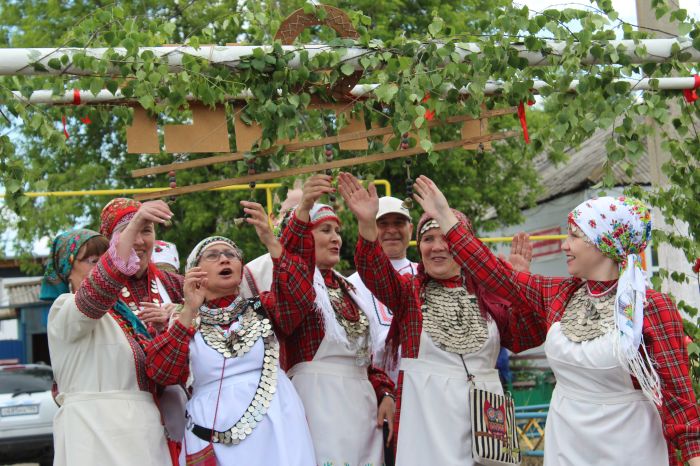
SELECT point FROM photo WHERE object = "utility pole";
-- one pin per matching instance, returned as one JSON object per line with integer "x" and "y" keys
{"x": 669, "y": 258}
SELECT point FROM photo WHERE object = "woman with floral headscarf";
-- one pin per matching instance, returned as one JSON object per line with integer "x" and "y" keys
{"x": 73, "y": 254}
{"x": 243, "y": 409}
{"x": 328, "y": 344}
{"x": 109, "y": 414}
{"x": 445, "y": 324}
{"x": 623, "y": 393}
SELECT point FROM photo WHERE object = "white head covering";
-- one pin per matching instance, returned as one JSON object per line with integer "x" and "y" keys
{"x": 196, "y": 254}
{"x": 166, "y": 253}
{"x": 620, "y": 227}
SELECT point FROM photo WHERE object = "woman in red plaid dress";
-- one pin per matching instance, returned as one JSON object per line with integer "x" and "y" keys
{"x": 623, "y": 394}
{"x": 327, "y": 345}
{"x": 445, "y": 324}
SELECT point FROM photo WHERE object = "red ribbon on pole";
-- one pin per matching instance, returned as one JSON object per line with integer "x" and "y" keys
{"x": 691, "y": 95}
{"x": 65, "y": 131}
{"x": 429, "y": 115}
{"x": 523, "y": 119}
{"x": 76, "y": 101}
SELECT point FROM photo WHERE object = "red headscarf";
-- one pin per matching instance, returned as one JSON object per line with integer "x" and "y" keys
{"x": 118, "y": 212}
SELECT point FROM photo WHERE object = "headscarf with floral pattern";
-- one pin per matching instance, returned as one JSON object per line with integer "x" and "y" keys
{"x": 64, "y": 251}
{"x": 620, "y": 227}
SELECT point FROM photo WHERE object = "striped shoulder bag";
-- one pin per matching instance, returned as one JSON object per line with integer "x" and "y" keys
{"x": 494, "y": 436}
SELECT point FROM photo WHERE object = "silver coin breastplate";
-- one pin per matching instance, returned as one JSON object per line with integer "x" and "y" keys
{"x": 452, "y": 318}
{"x": 587, "y": 317}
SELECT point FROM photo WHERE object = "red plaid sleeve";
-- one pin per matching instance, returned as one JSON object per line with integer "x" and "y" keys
{"x": 100, "y": 289}
{"x": 380, "y": 277}
{"x": 663, "y": 336}
{"x": 298, "y": 240}
{"x": 531, "y": 296}
{"x": 380, "y": 381}
{"x": 167, "y": 356}
{"x": 292, "y": 294}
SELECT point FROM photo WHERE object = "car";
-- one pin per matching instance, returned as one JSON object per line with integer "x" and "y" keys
{"x": 27, "y": 408}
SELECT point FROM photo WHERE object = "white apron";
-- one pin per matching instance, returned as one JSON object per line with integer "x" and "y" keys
{"x": 104, "y": 417}
{"x": 341, "y": 407}
{"x": 596, "y": 416}
{"x": 435, "y": 426}
{"x": 82, "y": 437}
{"x": 282, "y": 438}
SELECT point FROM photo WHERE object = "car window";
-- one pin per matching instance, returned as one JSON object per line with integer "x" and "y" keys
{"x": 25, "y": 379}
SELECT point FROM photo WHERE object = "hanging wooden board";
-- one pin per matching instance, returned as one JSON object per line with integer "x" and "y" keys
{"x": 246, "y": 134}
{"x": 301, "y": 145}
{"x": 142, "y": 135}
{"x": 207, "y": 133}
{"x": 342, "y": 163}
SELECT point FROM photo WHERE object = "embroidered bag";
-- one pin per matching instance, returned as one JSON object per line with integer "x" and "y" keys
{"x": 494, "y": 437}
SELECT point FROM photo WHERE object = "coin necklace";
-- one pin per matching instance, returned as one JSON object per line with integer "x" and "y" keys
{"x": 356, "y": 327}
{"x": 253, "y": 322}
{"x": 588, "y": 316}
{"x": 452, "y": 318}
{"x": 233, "y": 343}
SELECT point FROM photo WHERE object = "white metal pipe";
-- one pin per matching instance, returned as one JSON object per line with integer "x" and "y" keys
{"x": 45, "y": 97}
{"x": 19, "y": 61}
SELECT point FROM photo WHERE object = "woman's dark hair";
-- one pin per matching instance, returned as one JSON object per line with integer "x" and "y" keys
{"x": 95, "y": 246}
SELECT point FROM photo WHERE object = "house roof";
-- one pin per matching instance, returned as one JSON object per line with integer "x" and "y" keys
{"x": 19, "y": 292}
{"x": 585, "y": 167}
{"x": 24, "y": 293}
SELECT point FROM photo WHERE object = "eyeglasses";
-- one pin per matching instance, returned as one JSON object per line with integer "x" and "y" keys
{"x": 212, "y": 256}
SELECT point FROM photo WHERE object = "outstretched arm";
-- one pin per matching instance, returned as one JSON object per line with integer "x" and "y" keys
{"x": 362, "y": 202}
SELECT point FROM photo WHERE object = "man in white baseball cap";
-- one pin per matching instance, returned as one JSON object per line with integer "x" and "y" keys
{"x": 394, "y": 226}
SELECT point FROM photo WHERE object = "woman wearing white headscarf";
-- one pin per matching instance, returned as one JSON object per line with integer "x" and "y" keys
{"x": 623, "y": 394}
{"x": 243, "y": 409}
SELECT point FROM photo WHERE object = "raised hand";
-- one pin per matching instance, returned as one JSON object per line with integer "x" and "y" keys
{"x": 313, "y": 189}
{"x": 362, "y": 202}
{"x": 430, "y": 197}
{"x": 158, "y": 314}
{"x": 194, "y": 288}
{"x": 434, "y": 203}
{"x": 521, "y": 252}
{"x": 151, "y": 211}
{"x": 258, "y": 218}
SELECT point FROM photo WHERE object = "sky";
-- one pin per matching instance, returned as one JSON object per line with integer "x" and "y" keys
{"x": 625, "y": 8}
